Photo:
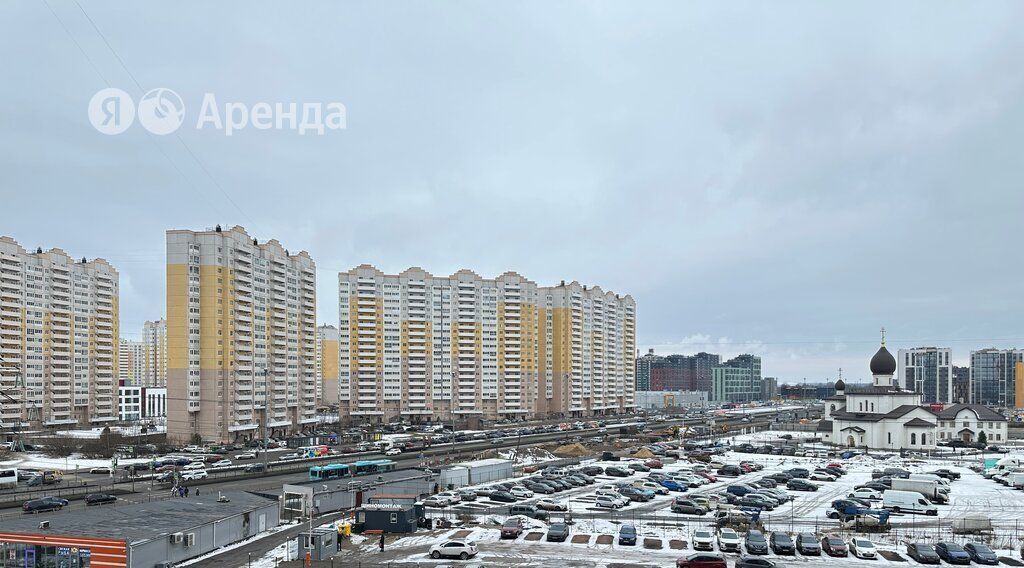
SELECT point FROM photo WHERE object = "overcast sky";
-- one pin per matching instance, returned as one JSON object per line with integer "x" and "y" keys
{"x": 782, "y": 178}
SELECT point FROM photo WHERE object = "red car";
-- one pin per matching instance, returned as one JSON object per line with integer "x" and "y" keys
{"x": 512, "y": 528}
{"x": 654, "y": 463}
{"x": 707, "y": 476}
{"x": 834, "y": 546}
{"x": 746, "y": 467}
{"x": 702, "y": 560}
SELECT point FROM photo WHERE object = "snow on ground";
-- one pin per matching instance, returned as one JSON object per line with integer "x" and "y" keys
{"x": 34, "y": 460}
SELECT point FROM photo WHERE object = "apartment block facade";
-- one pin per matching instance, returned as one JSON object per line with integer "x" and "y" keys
{"x": 59, "y": 338}
{"x": 993, "y": 376}
{"x": 327, "y": 365}
{"x": 927, "y": 370}
{"x": 131, "y": 366}
{"x": 241, "y": 336}
{"x": 154, "y": 354}
{"x": 737, "y": 380}
{"x": 643, "y": 370}
{"x": 428, "y": 348}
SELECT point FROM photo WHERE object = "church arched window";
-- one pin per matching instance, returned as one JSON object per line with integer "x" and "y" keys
{"x": 833, "y": 409}
{"x": 924, "y": 440}
{"x": 872, "y": 407}
{"x": 913, "y": 439}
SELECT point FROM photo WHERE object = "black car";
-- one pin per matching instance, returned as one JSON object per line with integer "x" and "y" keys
{"x": 558, "y": 532}
{"x": 730, "y": 471}
{"x": 807, "y": 544}
{"x": 99, "y": 499}
{"x": 922, "y": 552}
{"x": 981, "y": 553}
{"x": 634, "y": 494}
{"x": 799, "y": 472}
{"x": 613, "y": 471}
{"x": 801, "y": 485}
{"x": 780, "y": 477}
{"x": 782, "y": 544}
{"x": 44, "y": 504}
{"x": 592, "y": 470}
{"x": 754, "y": 562}
{"x": 255, "y": 468}
{"x": 766, "y": 483}
{"x": 755, "y": 543}
{"x": 755, "y": 501}
{"x": 539, "y": 488}
{"x": 635, "y": 466}
{"x": 627, "y": 535}
{"x": 952, "y": 552}
{"x": 502, "y": 497}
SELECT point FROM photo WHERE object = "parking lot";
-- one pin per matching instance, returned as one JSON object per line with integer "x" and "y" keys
{"x": 664, "y": 535}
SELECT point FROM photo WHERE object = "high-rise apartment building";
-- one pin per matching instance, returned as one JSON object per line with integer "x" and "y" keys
{"x": 241, "y": 336}
{"x": 643, "y": 370}
{"x": 131, "y": 367}
{"x": 993, "y": 376}
{"x": 59, "y": 338}
{"x": 154, "y": 354}
{"x": 927, "y": 370}
{"x": 684, "y": 372}
{"x": 961, "y": 385}
{"x": 327, "y": 365}
{"x": 439, "y": 348}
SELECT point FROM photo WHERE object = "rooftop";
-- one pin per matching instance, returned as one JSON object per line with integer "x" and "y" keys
{"x": 139, "y": 521}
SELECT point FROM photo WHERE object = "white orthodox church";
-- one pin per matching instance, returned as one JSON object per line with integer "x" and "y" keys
{"x": 885, "y": 417}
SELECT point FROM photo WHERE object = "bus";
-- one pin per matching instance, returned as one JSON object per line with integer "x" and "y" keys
{"x": 8, "y": 478}
{"x": 313, "y": 451}
{"x": 330, "y": 471}
{"x": 368, "y": 467}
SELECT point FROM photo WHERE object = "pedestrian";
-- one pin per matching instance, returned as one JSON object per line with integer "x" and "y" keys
{"x": 197, "y": 492}
{"x": 186, "y": 491}
{"x": 181, "y": 491}
{"x": 382, "y": 541}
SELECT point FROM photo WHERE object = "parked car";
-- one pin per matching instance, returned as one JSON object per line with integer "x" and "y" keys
{"x": 609, "y": 502}
{"x": 99, "y": 499}
{"x": 531, "y": 511}
{"x": 221, "y": 463}
{"x": 551, "y": 505}
{"x": 834, "y": 546}
{"x": 981, "y": 553}
{"x": 672, "y": 485}
{"x": 637, "y": 466}
{"x": 194, "y": 474}
{"x": 558, "y": 532}
{"x": 782, "y": 544}
{"x": 435, "y": 501}
{"x": 701, "y": 560}
{"x": 923, "y": 553}
{"x": 728, "y": 540}
{"x": 467, "y": 495}
{"x": 521, "y": 492}
{"x": 862, "y": 548}
{"x": 807, "y": 545}
{"x": 754, "y": 562}
{"x": 627, "y": 535}
{"x": 687, "y": 507}
{"x": 462, "y": 549}
{"x": 953, "y": 553}
{"x": 801, "y": 485}
{"x": 866, "y": 493}
{"x": 703, "y": 539}
{"x": 502, "y": 497}
{"x": 512, "y": 528}
{"x": 43, "y": 504}
{"x": 755, "y": 542}
{"x": 616, "y": 472}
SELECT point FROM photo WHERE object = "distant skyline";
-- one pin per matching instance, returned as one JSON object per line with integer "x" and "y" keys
{"x": 781, "y": 179}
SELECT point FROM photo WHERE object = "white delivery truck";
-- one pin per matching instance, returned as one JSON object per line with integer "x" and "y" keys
{"x": 926, "y": 487}
{"x": 1004, "y": 465}
{"x": 942, "y": 481}
{"x": 1015, "y": 480}
{"x": 907, "y": 502}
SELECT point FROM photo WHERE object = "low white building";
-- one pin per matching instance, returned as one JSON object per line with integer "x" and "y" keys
{"x": 140, "y": 403}
{"x": 966, "y": 422}
{"x": 671, "y": 399}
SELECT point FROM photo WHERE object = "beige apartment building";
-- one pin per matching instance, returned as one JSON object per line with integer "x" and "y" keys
{"x": 58, "y": 338}
{"x": 424, "y": 348}
{"x": 154, "y": 354}
{"x": 241, "y": 336}
{"x": 131, "y": 362}
{"x": 327, "y": 365}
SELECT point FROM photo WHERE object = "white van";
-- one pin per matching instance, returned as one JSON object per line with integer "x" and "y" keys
{"x": 907, "y": 501}
{"x": 930, "y": 477}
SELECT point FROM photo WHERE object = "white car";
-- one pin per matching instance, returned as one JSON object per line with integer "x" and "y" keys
{"x": 450, "y": 496}
{"x": 393, "y": 452}
{"x": 866, "y": 493}
{"x": 551, "y": 505}
{"x": 100, "y": 470}
{"x": 435, "y": 501}
{"x": 728, "y": 540}
{"x": 608, "y": 502}
{"x": 194, "y": 466}
{"x": 221, "y": 463}
{"x": 607, "y": 492}
{"x": 818, "y": 476}
{"x": 862, "y": 548}
{"x": 246, "y": 456}
{"x": 521, "y": 492}
{"x": 703, "y": 539}
{"x": 461, "y": 549}
{"x": 194, "y": 474}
